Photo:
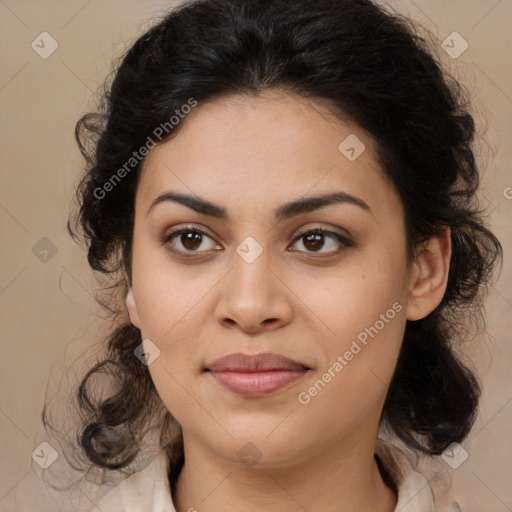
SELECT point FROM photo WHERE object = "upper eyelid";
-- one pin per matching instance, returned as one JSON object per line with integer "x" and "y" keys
{"x": 301, "y": 232}
{"x": 323, "y": 229}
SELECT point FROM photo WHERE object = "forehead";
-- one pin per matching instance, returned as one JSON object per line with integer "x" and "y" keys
{"x": 266, "y": 149}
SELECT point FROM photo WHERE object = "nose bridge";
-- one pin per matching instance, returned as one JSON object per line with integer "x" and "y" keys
{"x": 252, "y": 294}
{"x": 250, "y": 277}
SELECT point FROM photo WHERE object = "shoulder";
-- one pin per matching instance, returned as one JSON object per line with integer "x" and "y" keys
{"x": 148, "y": 490}
{"x": 413, "y": 488}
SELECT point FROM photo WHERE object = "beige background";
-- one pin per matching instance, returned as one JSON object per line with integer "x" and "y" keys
{"x": 47, "y": 309}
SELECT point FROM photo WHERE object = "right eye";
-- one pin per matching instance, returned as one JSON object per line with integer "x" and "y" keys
{"x": 188, "y": 240}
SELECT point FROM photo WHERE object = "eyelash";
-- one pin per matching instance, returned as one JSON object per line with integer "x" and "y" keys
{"x": 189, "y": 229}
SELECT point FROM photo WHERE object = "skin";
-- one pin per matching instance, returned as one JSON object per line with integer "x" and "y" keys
{"x": 251, "y": 154}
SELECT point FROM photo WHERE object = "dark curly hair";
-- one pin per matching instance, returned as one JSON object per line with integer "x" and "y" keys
{"x": 370, "y": 65}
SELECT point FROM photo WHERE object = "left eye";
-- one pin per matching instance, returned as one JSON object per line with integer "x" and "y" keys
{"x": 315, "y": 240}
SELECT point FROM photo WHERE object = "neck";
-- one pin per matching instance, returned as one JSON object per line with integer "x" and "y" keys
{"x": 341, "y": 479}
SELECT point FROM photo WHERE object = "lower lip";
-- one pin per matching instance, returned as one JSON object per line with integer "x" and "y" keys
{"x": 257, "y": 384}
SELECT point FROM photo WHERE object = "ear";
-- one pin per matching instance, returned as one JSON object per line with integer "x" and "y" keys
{"x": 429, "y": 276}
{"x": 131, "y": 305}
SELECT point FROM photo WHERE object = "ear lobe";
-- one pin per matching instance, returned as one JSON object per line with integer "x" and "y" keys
{"x": 430, "y": 276}
{"x": 131, "y": 305}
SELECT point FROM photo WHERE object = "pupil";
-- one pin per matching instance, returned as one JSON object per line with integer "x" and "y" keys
{"x": 316, "y": 241}
{"x": 192, "y": 240}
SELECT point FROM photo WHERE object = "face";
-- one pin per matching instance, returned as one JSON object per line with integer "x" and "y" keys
{"x": 250, "y": 276}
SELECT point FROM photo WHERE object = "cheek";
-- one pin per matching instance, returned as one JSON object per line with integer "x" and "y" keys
{"x": 171, "y": 319}
{"x": 363, "y": 307}
{"x": 172, "y": 305}
{"x": 355, "y": 296}
{"x": 166, "y": 292}
{"x": 352, "y": 385}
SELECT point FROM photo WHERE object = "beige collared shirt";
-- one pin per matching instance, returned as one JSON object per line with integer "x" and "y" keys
{"x": 149, "y": 490}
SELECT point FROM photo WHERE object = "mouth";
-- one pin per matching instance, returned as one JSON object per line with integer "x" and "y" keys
{"x": 256, "y": 375}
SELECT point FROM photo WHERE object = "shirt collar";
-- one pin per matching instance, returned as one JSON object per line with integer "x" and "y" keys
{"x": 149, "y": 489}
{"x": 413, "y": 489}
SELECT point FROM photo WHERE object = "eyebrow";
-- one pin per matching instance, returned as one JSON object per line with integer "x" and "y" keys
{"x": 282, "y": 213}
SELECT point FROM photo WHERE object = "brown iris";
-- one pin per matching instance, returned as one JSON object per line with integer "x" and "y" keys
{"x": 314, "y": 241}
{"x": 191, "y": 241}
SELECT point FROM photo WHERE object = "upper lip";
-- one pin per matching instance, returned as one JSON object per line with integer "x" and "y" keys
{"x": 267, "y": 361}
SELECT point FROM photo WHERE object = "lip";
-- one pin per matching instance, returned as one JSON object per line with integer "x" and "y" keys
{"x": 266, "y": 361}
{"x": 257, "y": 374}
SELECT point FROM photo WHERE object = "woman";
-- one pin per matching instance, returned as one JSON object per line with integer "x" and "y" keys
{"x": 284, "y": 193}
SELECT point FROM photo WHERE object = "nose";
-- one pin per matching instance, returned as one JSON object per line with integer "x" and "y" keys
{"x": 254, "y": 298}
